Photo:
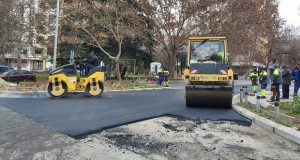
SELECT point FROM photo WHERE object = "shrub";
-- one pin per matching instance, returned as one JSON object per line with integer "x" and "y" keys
{"x": 295, "y": 106}
{"x": 292, "y": 107}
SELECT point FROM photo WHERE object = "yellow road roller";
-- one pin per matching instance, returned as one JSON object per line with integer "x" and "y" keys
{"x": 64, "y": 79}
{"x": 208, "y": 77}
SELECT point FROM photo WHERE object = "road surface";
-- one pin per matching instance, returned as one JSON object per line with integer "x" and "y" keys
{"x": 183, "y": 135}
{"x": 78, "y": 115}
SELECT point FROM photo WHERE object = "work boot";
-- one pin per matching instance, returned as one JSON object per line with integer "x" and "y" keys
{"x": 271, "y": 100}
{"x": 263, "y": 97}
{"x": 254, "y": 91}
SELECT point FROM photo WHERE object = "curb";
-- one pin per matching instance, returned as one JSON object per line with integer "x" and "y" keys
{"x": 276, "y": 128}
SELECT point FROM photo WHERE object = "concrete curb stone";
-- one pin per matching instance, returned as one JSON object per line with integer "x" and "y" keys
{"x": 278, "y": 129}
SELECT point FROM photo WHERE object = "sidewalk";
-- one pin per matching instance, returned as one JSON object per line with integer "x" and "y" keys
{"x": 24, "y": 138}
{"x": 264, "y": 102}
{"x": 270, "y": 125}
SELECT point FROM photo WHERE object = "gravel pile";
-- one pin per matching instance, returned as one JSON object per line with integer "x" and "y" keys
{"x": 6, "y": 85}
{"x": 168, "y": 138}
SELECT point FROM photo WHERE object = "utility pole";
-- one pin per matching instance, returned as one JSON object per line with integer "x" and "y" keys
{"x": 56, "y": 35}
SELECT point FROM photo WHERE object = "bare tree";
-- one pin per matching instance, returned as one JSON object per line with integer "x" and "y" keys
{"x": 251, "y": 26}
{"x": 174, "y": 22}
{"x": 288, "y": 45}
{"x": 6, "y": 23}
{"x": 20, "y": 26}
{"x": 100, "y": 22}
{"x": 21, "y": 15}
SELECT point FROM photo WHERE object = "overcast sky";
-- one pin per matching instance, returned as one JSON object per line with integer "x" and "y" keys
{"x": 290, "y": 11}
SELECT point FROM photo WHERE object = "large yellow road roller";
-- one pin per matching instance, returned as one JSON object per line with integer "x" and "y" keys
{"x": 64, "y": 79}
{"x": 208, "y": 77}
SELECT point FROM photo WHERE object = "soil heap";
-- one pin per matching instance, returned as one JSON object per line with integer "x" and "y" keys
{"x": 6, "y": 85}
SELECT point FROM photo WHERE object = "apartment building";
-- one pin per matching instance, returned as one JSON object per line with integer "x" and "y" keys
{"x": 32, "y": 51}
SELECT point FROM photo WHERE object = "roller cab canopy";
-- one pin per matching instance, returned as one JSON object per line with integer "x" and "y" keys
{"x": 207, "y": 49}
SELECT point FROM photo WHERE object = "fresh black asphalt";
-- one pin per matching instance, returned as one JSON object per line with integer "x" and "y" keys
{"x": 77, "y": 115}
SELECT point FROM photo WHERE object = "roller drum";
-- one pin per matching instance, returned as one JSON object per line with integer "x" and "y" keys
{"x": 209, "y": 97}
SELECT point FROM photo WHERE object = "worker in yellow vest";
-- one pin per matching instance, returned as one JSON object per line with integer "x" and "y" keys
{"x": 276, "y": 80}
{"x": 254, "y": 79}
{"x": 166, "y": 78}
{"x": 160, "y": 76}
{"x": 263, "y": 81}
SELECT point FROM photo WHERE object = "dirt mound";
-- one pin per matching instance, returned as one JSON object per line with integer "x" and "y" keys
{"x": 6, "y": 85}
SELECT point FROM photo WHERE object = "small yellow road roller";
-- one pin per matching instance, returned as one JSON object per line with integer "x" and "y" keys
{"x": 64, "y": 79}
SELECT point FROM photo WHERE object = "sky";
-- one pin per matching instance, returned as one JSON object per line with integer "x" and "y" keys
{"x": 290, "y": 11}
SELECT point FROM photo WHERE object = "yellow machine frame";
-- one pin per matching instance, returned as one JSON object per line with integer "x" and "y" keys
{"x": 208, "y": 89}
{"x": 60, "y": 83}
{"x": 207, "y": 77}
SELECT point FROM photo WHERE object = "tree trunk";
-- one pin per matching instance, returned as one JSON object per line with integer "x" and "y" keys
{"x": 118, "y": 70}
{"x": 2, "y": 61}
{"x": 19, "y": 61}
{"x": 172, "y": 64}
{"x": 124, "y": 72}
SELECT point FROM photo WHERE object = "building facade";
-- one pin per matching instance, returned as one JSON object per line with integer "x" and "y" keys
{"x": 31, "y": 51}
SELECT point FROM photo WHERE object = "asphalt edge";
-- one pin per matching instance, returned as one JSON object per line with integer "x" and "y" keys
{"x": 274, "y": 127}
{"x": 38, "y": 93}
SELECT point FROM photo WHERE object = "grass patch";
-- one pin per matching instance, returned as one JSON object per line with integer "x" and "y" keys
{"x": 284, "y": 108}
{"x": 291, "y": 108}
{"x": 262, "y": 112}
{"x": 286, "y": 123}
{"x": 129, "y": 76}
{"x": 41, "y": 75}
{"x": 127, "y": 84}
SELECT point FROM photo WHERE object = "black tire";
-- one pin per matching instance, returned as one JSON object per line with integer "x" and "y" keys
{"x": 30, "y": 80}
{"x": 64, "y": 86}
{"x": 88, "y": 88}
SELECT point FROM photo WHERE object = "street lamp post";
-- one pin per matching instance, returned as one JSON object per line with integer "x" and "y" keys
{"x": 56, "y": 35}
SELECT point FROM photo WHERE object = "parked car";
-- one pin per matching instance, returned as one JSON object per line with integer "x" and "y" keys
{"x": 4, "y": 69}
{"x": 18, "y": 75}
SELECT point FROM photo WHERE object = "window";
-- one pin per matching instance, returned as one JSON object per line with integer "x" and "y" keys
{"x": 23, "y": 72}
{"x": 24, "y": 51}
{"x": 38, "y": 51}
{"x": 206, "y": 50}
{"x": 2, "y": 70}
{"x": 24, "y": 63}
{"x": 13, "y": 73}
{"x": 37, "y": 65}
